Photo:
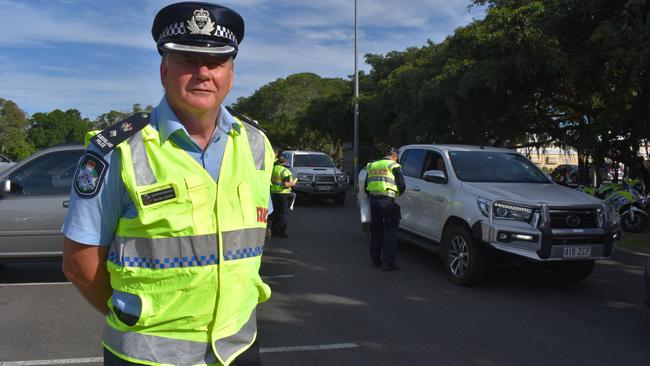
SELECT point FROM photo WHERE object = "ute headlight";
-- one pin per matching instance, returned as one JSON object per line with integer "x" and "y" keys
{"x": 484, "y": 206}
{"x": 341, "y": 178}
{"x": 304, "y": 177}
{"x": 509, "y": 211}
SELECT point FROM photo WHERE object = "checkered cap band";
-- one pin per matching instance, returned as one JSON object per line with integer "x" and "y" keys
{"x": 223, "y": 32}
{"x": 175, "y": 29}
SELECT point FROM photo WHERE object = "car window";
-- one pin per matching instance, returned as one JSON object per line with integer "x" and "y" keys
{"x": 412, "y": 162}
{"x": 50, "y": 174}
{"x": 312, "y": 160}
{"x": 493, "y": 166}
{"x": 434, "y": 161}
{"x": 4, "y": 159}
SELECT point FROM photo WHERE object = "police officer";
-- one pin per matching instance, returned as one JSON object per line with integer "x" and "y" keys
{"x": 383, "y": 184}
{"x": 167, "y": 216}
{"x": 281, "y": 183}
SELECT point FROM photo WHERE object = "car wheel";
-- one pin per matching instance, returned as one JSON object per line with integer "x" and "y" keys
{"x": 572, "y": 271}
{"x": 339, "y": 200}
{"x": 466, "y": 260}
{"x": 633, "y": 225}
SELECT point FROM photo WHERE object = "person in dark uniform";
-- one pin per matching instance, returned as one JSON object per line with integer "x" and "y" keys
{"x": 281, "y": 183}
{"x": 383, "y": 184}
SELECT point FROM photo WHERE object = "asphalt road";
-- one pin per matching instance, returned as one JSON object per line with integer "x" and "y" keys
{"x": 330, "y": 307}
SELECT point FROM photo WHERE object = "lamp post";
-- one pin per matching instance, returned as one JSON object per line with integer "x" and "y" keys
{"x": 356, "y": 98}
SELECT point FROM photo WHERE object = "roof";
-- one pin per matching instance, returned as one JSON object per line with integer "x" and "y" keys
{"x": 304, "y": 152}
{"x": 455, "y": 147}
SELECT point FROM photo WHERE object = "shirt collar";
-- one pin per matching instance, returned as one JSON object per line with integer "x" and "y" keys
{"x": 167, "y": 123}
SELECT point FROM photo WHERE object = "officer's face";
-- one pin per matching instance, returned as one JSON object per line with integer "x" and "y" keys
{"x": 196, "y": 83}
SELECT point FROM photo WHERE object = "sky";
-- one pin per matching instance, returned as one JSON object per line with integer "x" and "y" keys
{"x": 96, "y": 56}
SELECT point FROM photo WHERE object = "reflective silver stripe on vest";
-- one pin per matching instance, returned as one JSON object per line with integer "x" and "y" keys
{"x": 388, "y": 193}
{"x": 143, "y": 173}
{"x": 226, "y": 347}
{"x": 158, "y": 349}
{"x": 243, "y": 243}
{"x": 161, "y": 253}
{"x": 382, "y": 179}
{"x": 256, "y": 141}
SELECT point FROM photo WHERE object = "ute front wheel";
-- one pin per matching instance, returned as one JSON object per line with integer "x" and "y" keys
{"x": 465, "y": 259}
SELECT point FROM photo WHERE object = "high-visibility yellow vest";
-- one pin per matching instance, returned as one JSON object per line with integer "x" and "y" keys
{"x": 191, "y": 257}
{"x": 380, "y": 180}
{"x": 278, "y": 177}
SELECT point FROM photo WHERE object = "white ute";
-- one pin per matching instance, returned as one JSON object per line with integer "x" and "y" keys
{"x": 476, "y": 201}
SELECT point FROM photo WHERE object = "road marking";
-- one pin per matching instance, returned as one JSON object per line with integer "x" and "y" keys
{"x": 34, "y": 284}
{"x": 66, "y": 361}
{"x": 70, "y": 361}
{"x": 318, "y": 347}
{"x": 277, "y": 276}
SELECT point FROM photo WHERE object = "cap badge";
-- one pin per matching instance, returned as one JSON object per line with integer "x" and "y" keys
{"x": 201, "y": 23}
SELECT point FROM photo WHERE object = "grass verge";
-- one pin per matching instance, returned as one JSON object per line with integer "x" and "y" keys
{"x": 638, "y": 242}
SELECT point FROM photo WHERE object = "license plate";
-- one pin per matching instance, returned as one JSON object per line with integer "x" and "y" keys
{"x": 324, "y": 188}
{"x": 576, "y": 252}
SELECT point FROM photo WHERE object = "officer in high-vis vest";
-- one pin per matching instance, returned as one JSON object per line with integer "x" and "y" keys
{"x": 168, "y": 210}
{"x": 383, "y": 184}
{"x": 281, "y": 183}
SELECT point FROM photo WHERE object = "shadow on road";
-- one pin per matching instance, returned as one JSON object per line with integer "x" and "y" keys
{"x": 30, "y": 272}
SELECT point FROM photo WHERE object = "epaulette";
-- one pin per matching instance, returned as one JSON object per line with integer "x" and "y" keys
{"x": 113, "y": 135}
{"x": 245, "y": 118}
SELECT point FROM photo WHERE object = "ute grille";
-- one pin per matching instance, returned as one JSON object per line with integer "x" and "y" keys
{"x": 324, "y": 178}
{"x": 573, "y": 219}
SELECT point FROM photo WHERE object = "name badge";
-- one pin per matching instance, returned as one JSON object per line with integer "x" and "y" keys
{"x": 158, "y": 196}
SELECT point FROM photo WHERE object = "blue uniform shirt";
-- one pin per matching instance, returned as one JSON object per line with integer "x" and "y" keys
{"x": 93, "y": 221}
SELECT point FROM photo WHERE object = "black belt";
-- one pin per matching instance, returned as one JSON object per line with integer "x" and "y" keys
{"x": 382, "y": 197}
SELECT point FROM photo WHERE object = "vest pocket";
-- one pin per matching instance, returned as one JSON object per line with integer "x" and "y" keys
{"x": 248, "y": 209}
{"x": 127, "y": 307}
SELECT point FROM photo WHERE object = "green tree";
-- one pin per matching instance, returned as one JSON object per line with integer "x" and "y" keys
{"x": 13, "y": 135}
{"x": 110, "y": 118}
{"x": 279, "y": 105}
{"x": 57, "y": 127}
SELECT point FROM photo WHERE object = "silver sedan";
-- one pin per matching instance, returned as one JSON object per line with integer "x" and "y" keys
{"x": 34, "y": 197}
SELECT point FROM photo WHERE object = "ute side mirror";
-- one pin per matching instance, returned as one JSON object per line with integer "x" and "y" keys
{"x": 434, "y": 176}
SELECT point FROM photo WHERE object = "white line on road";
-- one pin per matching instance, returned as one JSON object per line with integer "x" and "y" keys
{"x": 34, "y": 284}
{"x": 70, "y": 361}
{"x": 318, "y": 347}
{"x": 277, "y": 276}
{"x": 66, "y": 361}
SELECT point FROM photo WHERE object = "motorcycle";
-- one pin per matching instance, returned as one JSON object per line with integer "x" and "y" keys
{"x": 628, "y": 198}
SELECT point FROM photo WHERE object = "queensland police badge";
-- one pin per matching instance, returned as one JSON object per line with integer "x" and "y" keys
{"x": 89, "y": 174}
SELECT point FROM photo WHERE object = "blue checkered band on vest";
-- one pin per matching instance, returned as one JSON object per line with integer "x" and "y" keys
{"x": 243, "y": 253}
{"x": 162, "y": 263}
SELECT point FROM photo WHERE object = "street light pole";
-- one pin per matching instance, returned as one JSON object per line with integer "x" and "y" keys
{"x": 356, "y": 98}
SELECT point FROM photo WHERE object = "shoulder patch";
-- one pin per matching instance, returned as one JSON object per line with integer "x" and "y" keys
{"x": 89, "y": 175}
{"x": 112, "y": 136}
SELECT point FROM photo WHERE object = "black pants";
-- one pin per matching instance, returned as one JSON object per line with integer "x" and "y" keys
{"x": 384, "y": 216}
{"x": 249, "y": 358}
{"x": 280, "y": 215}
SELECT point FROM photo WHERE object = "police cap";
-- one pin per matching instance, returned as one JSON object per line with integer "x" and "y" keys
{"x": 199, "y": 28}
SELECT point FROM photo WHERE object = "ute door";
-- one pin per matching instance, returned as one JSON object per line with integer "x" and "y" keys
{"x": 412, "y": 161}
{"x": 434, "y": 197}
